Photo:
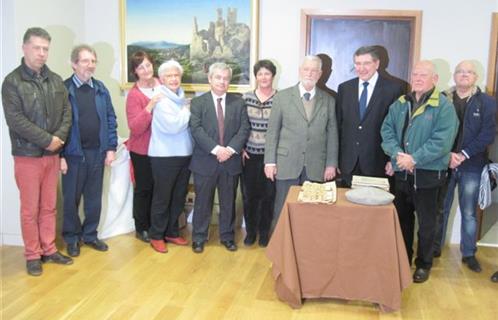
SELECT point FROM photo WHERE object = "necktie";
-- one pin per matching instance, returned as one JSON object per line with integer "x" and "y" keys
{"x": 307, "y": 96}
{"x": 221, "y": 121}
{"x": 363, "y": 100}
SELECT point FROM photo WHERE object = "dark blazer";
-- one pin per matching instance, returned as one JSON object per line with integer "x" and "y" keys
{"x": 204, "y": 129}
{"x": 360, "y": 140}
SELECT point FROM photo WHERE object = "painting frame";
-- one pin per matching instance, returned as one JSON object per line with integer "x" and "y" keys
{"x": 193, "y": 86}
{"x": 413, "y": 17}
{"x": 492, "y": 79}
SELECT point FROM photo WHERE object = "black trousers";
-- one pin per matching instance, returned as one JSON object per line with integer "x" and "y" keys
{"x": 142, "y": 193}
{"x": 203, "y": 207}
{"x": 258, "y": 193}
{"x": 423, "y": 201}
{"x": 171, "y": 175}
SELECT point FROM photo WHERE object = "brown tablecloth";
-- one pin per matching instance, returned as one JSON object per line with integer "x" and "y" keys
{"x": 340, "y": 250}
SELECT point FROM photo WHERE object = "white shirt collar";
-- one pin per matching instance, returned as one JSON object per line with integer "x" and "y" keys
{"x": 371, "y": 82}
{"x": 302, "y": 91}
{"x": 215, "y": 97}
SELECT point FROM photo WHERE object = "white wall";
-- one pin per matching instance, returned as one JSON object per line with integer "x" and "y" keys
{"x": 64, "y": 21}
{"x": 451, "y": 31}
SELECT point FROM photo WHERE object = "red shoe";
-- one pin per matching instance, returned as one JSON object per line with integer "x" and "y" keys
{"x": 180, "y": 241}
{"x": 159, "y": 245}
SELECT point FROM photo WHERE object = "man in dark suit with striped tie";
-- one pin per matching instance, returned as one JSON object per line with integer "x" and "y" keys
{"x": 220, "y": 128}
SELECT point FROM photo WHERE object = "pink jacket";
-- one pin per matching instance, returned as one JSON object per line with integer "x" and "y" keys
{"x": 139, "y": 121}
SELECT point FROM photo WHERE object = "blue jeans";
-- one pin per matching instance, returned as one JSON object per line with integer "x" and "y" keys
{"x": 84, "y": 178}
{"x": 468, "y": 193}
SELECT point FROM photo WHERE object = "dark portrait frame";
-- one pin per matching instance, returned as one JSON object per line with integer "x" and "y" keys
{"x": 238, "y": 47}
{"x": 492, "y": 83}
{"x": 336, "y": 35}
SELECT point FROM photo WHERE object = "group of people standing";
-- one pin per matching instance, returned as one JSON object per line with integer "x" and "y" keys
{"x": 210, "y": 136}
{"x": 424, "y": 140}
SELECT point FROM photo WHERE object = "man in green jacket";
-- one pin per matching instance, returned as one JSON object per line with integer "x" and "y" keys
{"x": 417, "y": 134}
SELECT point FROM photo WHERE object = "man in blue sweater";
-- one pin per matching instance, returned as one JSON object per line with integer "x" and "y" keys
{"x": 92, "y": 142}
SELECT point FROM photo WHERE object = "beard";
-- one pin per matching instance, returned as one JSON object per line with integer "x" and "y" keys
{"x": 308, "y": 83}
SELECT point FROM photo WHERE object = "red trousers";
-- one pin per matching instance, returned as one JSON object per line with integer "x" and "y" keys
{"x": 37, "y": 180}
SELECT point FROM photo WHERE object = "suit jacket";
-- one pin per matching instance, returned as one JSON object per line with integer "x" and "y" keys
{"x": 293, "y": 142}
{"x": 204, "y": 129}
{"x": 360, "y": 140}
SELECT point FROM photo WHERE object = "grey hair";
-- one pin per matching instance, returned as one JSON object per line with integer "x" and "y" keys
{"x": 219, "y": 66}
{"x": 371, "y": 50}
{"x": 169, "y": 65}
{"x": 36, "y": 32}
{"x": 75, "y": 53}
{"x": 313, "y": 58}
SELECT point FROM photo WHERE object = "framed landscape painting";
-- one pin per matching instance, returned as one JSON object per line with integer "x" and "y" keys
{"x": 196, "y": 33}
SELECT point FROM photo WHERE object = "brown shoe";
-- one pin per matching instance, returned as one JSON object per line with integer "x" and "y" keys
{"x": 159, "y": 245}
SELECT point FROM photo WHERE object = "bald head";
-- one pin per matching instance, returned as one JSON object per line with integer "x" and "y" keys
{"x": 465, "y": 75}
{"x": 424, "y": 77}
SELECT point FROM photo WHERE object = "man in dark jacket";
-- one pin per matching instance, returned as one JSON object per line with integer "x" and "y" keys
{"x": 220, "y": 127}
{"x": 362, "y": 105}
{"x": 38, "y": 115}
{"x": 92, "y": 142}
{"x": 476, "y": 112}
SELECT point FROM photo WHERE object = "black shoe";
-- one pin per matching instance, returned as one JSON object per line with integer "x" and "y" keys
{"x": 436, "y": 254}
{"x": 494, "y": 277}
{"x": 73, "y": 249}
{"x": 198, "y": 247}
{"x": 472, "y": 263}
{"x": 142, "y": 235}
{"x": 98, "y": 245}
{"x": 263, "y": 241}
{"x": 250, "y": 240}
{"x": 230, "y": 245}
{"x": 421, "y": 275}
{"x": 58, "y": 258}
{"x": 34, "y": 267}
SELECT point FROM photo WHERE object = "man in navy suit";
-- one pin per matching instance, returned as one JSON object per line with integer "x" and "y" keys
{"x": 220, "y": 128}
{"x": 362, "y": 105}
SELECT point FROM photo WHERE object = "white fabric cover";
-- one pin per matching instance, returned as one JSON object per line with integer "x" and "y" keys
{"x": 117, "y": 216}
{"x": 369, "y": 196}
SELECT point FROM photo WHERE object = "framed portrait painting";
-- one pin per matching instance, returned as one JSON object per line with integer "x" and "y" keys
{"x": 335, "y": 35}
{"x": 196, "y": 33}
{"x": 492, "y": 84}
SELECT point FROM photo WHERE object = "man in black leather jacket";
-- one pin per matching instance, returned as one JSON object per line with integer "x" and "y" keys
{"x": 38, "y": 115}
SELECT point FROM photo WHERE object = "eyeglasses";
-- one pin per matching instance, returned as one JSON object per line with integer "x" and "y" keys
{"x": 87, "y": 62}
{"x": 468, "y": 72}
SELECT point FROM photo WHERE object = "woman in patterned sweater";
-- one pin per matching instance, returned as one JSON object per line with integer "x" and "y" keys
{"x": 258, "y": 192}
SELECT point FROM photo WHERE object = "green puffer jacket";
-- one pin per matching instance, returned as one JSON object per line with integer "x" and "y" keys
{"x": 36, "y": 107}
{"x": 430, "y": 132}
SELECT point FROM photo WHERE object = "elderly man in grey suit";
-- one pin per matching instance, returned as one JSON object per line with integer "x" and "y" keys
{"x": 301, "y": 141}
{"x": 220, "y": 128}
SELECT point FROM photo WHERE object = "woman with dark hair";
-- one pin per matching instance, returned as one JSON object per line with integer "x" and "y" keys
{"x": 258, "y": 192}
{"x": 140, "y": 102}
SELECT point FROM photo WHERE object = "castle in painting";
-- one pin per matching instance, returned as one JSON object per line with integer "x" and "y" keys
{"x": 224, "y": 40}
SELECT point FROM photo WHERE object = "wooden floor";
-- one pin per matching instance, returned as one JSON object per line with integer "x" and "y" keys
{"x": 131, "y": 281}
